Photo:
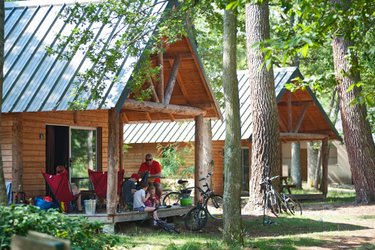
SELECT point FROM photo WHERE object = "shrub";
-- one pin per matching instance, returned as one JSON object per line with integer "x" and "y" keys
{"x": 81, "y": 233}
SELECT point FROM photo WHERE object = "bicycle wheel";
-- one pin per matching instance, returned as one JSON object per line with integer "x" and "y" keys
{"x": 196, "y": 219}
{"x": 172, "y": 199}
{"x": 273, "y": 204}
{"x": 283, "y": 206}
{"x": 214, "y": 206}
{"x": 294, "y": 207}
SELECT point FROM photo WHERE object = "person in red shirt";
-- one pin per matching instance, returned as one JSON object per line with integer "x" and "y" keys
{"x": 153, "y": 168}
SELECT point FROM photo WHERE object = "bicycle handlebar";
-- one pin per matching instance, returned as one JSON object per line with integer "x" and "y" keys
{"x": 204, "y": 178}
{"x": 268, "y": 179}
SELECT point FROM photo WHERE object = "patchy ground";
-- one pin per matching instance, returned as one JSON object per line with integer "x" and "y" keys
{"x": 322, "y": 226}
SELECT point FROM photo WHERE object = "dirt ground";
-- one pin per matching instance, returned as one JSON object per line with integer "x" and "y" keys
{"x": 350, "y": 227}
{"x": 345, "y": 216}
{"x": 358, "y": 215}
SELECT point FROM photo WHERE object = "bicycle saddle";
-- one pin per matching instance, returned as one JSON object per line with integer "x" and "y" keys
{"x": 182, "y": 182}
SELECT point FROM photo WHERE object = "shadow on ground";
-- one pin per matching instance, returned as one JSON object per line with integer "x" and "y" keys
{"x": 292, "y": 225}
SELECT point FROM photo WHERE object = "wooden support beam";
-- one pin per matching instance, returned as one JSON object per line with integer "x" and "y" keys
{"x": 302, "y": 137}
{"x": 172, "y": 117}
{"x": 124, "y": 117}
{"x": 121, "y": 145}
{"x": 301, "y": 117}
{"x": 113, "y": 160}
{"x": 159, "y": 107}
{"x": 180, "y": 83}
{"x": 149, "y": 119}
{"x": 324, "y": 157}
{"x": 17, "y": 166}
{"x": 183, "y": 56}
{"x": 161, "y": 75}
{"x": 155, "y": 97}
{"x": 294, "y": 103}
{"x": 290, "y": 117}
{"x": 172, "y": 80}
{"x": 198, "y": 154}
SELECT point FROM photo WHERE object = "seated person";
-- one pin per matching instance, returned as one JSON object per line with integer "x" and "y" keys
{"x": 60, "y": 169}
{"x": 128, "y": 190}
{"x": 154, "y": 199}
{"x": 140, "y": 197}
{"x": 153, "y": 170}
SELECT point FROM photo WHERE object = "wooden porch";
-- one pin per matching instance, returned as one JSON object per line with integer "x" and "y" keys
{"x": 111, "y": 220}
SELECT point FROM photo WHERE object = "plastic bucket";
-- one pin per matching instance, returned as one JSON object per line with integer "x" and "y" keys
{"x": 90, "y": 206}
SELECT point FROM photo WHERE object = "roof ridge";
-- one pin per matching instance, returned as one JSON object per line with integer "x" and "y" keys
{"x": 34, "y": 3}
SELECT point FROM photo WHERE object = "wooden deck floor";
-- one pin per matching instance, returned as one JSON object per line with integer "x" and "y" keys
{"x": 134, "y": 215}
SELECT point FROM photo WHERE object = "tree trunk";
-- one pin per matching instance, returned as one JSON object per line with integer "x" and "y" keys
{"x": 265, "y": 138}
{"x": 312, "y": 164}
{"x": 113, "y": 160}
{"x": 232, "y": 149}
{"x": 296, "y": 164}
{"x": 3, "y": 195}
{"x": 357, "y": 132}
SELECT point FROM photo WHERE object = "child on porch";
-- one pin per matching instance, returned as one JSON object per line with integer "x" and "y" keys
{"x": 154, "y": 199}
{"x": 140, "y": 197}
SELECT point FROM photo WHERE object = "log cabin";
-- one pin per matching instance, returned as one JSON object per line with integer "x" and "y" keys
{"x": 301, "y": 118}
{"x": 38, "y": 129}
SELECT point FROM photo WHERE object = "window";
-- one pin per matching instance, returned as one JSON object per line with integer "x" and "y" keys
{"x": 83, "y": 155}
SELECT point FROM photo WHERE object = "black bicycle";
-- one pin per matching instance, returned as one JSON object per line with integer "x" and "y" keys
{"x": 212, "y": 202}
{"x": 277, "y": 202}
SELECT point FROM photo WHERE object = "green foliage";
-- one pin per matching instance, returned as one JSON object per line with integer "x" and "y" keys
{"x": 108, "y": 32}
{"x": 81, "y": 233}
{"x": 174, "y": 162}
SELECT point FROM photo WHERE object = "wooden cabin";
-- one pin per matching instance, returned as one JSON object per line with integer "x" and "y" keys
{"x": 39, "y": 131}
{"x": 301, "y": 118}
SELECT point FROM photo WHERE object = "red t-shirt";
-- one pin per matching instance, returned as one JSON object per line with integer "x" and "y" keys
{"x": 154, "y": 168}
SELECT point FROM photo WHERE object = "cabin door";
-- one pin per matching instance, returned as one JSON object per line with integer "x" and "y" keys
{"x": 57, "y": 149}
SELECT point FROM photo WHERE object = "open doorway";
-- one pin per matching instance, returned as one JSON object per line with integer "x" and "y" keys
{"x": 76, "y": 148}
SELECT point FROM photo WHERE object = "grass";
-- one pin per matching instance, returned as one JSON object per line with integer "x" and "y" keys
{"x": 288, "y": 232}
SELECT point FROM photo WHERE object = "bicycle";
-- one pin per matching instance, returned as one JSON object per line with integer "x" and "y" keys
{"x": 212, "y": 202}
{"x": 276, "y": 202}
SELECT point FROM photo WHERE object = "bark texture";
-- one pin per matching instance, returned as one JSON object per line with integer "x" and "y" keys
{"x": 113, "y": 160}
{"x": 312, "y": 164}
{"x": 265, "y": 138}
{"x": 232, "y": 148}
{"x": 296, "y": 164}
{"x": 3, "y": 196}
{"x": 357, "y": 133}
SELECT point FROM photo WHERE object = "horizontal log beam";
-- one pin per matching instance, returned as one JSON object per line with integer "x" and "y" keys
{"x": 172, "y": 56}
{"x": 302, "y": 136}
{"x": 295, "y": 103}
{"x": 146, "y": 106}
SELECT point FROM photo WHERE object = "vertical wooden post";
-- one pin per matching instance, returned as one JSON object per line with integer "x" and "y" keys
{"x": 203, "y": 151}
{"x": 113, "y": 160}
{"x": 324, "y": 161}
{"x": 198, "y": 151}
{"x": 17, "y": 167}
{"x": 121, "y": 144}
{"x": 290, "y": 115}
{"x": 161, "y": 74}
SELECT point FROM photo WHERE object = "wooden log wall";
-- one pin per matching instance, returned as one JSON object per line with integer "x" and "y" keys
{"x": 34, "y": 142}
{"x": 6, "y": 145}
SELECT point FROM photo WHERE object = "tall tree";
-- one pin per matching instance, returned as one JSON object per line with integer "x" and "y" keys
{"x": 232, "y": 149}
{"x": 358, "y": 138}
{"x": 3, "y": 196}
{"x": 265, "y": 137}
